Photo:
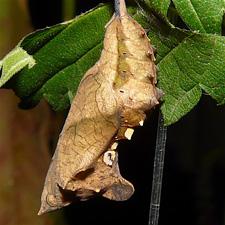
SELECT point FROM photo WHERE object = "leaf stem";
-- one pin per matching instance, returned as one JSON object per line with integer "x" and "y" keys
{"x": 157, "y": 171}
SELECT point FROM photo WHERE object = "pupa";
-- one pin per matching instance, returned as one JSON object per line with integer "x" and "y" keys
{"x": 112, "y": 99}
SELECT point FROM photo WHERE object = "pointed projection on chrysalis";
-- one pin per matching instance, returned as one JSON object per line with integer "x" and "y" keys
{"x": 112, "y": 98}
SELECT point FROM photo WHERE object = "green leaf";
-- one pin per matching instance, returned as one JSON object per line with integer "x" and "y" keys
{"x": 63, "y": 54}
{"x": 15, "y": 61}
{"x": 189, "y": 63}
{"x": 160, "y": 6}
{"x": 36, "y": 40}
{"x": 164, "y": 38}
{"x": 59, "y": 90}
{"x": 205, "y": 16}
{"x": 196, "y": 63}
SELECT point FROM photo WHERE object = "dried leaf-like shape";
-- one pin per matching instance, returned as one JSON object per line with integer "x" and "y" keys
{"x": 112, "y": 98}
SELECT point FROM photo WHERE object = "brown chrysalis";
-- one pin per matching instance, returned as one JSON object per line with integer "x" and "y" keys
{"x": 112, "y": 98}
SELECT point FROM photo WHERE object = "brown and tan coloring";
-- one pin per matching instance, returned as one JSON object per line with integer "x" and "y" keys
{"x": 112, "y": 98}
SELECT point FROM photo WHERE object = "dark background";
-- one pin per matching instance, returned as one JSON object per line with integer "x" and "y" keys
{"x": 193, "y": 189}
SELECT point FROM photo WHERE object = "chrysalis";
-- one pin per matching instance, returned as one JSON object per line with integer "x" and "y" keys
{"x": 112, "y": 98}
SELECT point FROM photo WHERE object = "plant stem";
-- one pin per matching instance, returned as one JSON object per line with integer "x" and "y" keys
{"x": 157, "y": 171}
{"x": 68, "y": 9}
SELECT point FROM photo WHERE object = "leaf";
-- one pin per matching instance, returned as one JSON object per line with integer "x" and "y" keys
{"x": 63, "y": 54}
{"x": 56, "y": 90}
{"x": 62, "y": 85}
{"x": 196, "y": 63}
{"x": 36, "y": 40}
{"x": 112, "y": 97}
{"x": 165, "y": 38}
{"x": 15, "y": 61}
{"x": 203, "y": 16}
{"x": 188, "y": 63}
{"x": 160, "y": 6}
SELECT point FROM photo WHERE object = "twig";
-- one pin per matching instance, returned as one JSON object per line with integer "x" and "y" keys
{"x": 157, "y": 171}
{"x": 117, "y": 7}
